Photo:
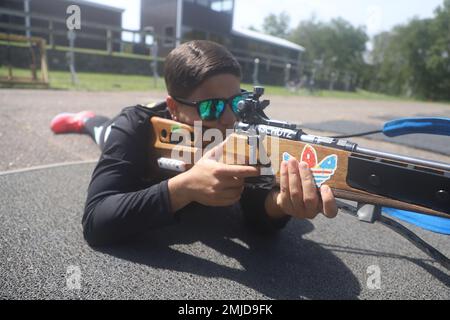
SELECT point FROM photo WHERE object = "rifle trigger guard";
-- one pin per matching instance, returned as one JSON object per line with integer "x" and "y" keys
{"x": 368, "y": 213}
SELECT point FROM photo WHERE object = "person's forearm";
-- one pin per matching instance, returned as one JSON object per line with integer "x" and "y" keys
{"x": 272, "y": 209}
{"x": 178, "y": 192}
{"x": 113, "y": 218}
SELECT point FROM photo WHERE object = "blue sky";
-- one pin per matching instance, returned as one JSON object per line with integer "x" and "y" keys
{"x": 376, "y": 15}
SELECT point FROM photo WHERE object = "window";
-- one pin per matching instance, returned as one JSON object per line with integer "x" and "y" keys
{"x": 169, "y": 36}
{"x": 204, "y": 3}
{"x": 222, "y": 5}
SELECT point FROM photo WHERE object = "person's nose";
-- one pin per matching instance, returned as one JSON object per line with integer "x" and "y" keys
{"x": 228, "y": 118}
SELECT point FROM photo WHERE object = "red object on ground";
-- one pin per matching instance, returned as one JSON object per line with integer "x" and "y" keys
{"x": 70, "y": 122}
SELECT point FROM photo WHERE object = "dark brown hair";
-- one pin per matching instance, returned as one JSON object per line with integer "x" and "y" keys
{"x": 193, "y": 62}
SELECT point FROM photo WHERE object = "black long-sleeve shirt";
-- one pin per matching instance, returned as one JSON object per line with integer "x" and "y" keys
{"x": 125, "y": 198}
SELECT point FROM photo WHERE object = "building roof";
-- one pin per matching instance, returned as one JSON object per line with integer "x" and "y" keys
{"x": 266, "y": 38}
{"x": 96, "y": 5}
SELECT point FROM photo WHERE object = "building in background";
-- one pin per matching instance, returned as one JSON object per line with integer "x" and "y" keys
{"x": 177, "y": 21}
{"x": 96, "y": 19}
{"x": 264, "y": 59}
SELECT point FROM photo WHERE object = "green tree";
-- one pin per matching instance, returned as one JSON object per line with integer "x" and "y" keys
{"x": 414, "y": 59}
{"x": 277, "y": 25}
{"x": 336, "y": 46}
{"x": 438, "y": 55}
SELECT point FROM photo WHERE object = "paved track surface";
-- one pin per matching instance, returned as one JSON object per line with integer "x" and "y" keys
{"x": 25, "y": 116}
{"x": 205, "y": 256}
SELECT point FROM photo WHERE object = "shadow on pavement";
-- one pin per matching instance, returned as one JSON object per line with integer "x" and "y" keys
{"x": 282, "y": 266}
{"x": 425, "y": 264}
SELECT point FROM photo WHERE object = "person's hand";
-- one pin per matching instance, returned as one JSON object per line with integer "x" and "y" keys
{"x": 210, "y": 182}
{"x": 298, "y": 195}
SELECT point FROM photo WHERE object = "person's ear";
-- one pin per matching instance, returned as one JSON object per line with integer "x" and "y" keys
{"x": 172, "y": 105}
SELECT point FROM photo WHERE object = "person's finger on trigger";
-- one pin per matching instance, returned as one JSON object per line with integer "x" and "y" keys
{"x": 237, "y": 171}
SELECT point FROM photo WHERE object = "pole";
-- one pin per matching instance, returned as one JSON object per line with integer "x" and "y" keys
{"x": 26, "y": 9}
{"x": 179, "y": 24}
{"x": 287, "y": 74}
{"x": 71, "y": 36}
{"x": 256, "y": 72}
{"x": 154, "y": 52}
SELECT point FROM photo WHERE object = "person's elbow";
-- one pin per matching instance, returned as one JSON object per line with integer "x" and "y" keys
{"x": 95, "y": 234}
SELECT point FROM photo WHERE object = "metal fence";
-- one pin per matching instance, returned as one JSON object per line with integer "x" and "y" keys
{"x": 139, "y": 44}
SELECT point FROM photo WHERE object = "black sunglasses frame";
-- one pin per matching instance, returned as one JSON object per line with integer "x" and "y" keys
{"x": 196, "y": 104}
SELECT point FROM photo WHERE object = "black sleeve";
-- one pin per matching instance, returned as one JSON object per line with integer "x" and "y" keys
{"x": 118, "y": 204}
{"x": 254, "y": 212}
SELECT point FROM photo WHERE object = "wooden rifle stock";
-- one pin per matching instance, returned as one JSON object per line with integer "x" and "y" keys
{"x": 165, "y": 143}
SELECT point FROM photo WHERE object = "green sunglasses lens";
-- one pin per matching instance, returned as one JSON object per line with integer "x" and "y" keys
{"x": 205, "y": 110}
{"x": 220, "y": 106}
{"x": 235, "y": 103}
{"x": 213, "y": 109}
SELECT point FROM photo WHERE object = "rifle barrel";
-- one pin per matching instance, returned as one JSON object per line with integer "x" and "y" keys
{"x": 353, "y": 147}
{"x": 410, "y": 160}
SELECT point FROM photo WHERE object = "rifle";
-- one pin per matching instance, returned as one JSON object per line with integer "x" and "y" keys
{"x": 371, "y": 178}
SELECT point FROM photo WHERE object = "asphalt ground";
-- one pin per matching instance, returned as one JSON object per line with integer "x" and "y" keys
{"x": 26, "y": 141}
{"x": 206, "y": 255}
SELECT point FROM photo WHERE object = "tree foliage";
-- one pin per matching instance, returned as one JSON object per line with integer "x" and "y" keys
{"x": 334, "y": 46}
{"x": 411, "y": 59}
{"x": 414, "y": 59}
{"x": 277, "y": 25}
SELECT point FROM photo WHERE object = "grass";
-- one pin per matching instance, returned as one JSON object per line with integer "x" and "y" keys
{"x": 359, "y": 94}
{"x": 87, "y": 81}
{"x": 105, "y": 82}
{"x": 83, "y": 50}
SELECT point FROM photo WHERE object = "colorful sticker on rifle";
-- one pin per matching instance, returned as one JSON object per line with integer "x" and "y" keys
{"x": 309, "y": 156}
{"x": 322, "y": 171}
